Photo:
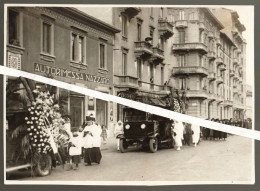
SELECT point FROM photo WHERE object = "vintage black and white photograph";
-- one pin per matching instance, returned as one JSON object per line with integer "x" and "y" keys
{"x": 194, "y": 60}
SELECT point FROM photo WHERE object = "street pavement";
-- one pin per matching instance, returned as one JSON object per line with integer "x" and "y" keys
{"x": 229, "y": 160}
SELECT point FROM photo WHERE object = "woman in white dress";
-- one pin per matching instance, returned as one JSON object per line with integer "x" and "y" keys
{"x": 195, "y": 134}
{"x": 178, "y": 134}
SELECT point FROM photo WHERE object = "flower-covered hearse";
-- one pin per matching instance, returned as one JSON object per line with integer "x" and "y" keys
{"x": 35, "y": 138}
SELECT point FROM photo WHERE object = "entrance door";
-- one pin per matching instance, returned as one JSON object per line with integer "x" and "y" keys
{"x": 101, "y": 112}
{"x": 76, "y": 111}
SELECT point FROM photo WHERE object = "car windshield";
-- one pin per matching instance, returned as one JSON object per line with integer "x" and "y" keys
{"x": 134, "y": 115}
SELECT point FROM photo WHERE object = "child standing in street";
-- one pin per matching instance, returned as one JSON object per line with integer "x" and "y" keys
{"x": 104, "y": 134}
{"x": 75, "y": 149}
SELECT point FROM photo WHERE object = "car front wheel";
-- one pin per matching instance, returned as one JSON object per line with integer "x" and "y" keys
{"x": 153, "y": 144}
{"x": 123, "y": 145}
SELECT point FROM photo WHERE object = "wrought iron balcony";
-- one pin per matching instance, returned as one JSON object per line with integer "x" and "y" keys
{"x": 195, "y": 46}
{"x": 200, "y": 94}
{"x": 212, "y": 76}
{"x": 126, "y": 81}
{"x": 165, "y": 28}
{"x": 187, "y": 70}
{"x": 211, "y": 55}
{"x": 143, "y": 49}
{"x": 181, "y": 24}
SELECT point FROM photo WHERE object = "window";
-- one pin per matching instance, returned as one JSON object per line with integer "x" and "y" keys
{"x": 46, "y": 38}
{"x": 139, "y": 32}
{"x": 171, "y": 18}
{"x": 181, "y": 15}
{"x": 151, "y": 34}
{"x": 15, "y": 28}
{"x": 124, "y": 25}
{"x": 181, "y": 36}
{"x": 192, "y": 16}
{"x": 151, "y": 73}
{"x": 182, "y": 83}
{"x": 102, "y": 56}
{"x": 139, "y": 68}
{"x": 78, "y": 48}
{"x": 161, "y": 43}
{"x": 124, "y": 63}
{"x": 162, "y": 75}
{"x": 182, "y": 60}
{"x": 161, "y": 12}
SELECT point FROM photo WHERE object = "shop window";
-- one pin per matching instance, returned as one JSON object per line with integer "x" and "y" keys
{"x": 124, "y": 25}
{"x": 102, "y": 56}
{"x": 14, "y": 28}
{"x": 181, "y": 15}
{"x": 78, "y": 48}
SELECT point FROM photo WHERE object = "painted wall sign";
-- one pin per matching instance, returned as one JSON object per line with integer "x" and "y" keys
{"x": 69, "y": 74}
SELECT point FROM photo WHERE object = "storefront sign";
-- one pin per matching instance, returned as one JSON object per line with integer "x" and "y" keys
{"x": 69, "y": 74}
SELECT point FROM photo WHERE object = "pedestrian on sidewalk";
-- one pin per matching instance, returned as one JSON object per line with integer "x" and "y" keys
{"x": 187, "y": 134}
{"x": 104, "y": 134}
{"x": 88, "y": 141}
{"x": 96, "y": 132}
{"x": 178, "y": 134}
{"x": 118, "y": 131}
{"x": 195, "y": 134}
{"x": 75, "y": 149}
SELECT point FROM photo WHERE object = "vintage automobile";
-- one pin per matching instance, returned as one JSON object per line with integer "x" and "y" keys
{"x": 151, "y": 131}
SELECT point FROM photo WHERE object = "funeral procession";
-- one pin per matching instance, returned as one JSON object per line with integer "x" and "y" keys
{"x": 189, "y": 60}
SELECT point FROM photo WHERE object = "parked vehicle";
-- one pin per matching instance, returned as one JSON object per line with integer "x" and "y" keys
{"x": 143, "y": 128}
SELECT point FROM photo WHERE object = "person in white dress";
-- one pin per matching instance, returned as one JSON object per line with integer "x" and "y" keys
{"x": 195, "y": 134}
{"x": 178, "y": 134}
{"x": 88, "y": 140}
{"x": 118, "y": 130}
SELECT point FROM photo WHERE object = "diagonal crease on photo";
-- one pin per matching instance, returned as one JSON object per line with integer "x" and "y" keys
{"x": 253, "y": 134}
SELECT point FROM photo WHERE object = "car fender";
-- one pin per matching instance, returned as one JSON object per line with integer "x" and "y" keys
{"x": 153, "y": 136}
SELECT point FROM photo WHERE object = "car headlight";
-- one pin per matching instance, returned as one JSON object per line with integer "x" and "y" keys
{"x": 127, "y": 126}
{"x": 143, "y": 126}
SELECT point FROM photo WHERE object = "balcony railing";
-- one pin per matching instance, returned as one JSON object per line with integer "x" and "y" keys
{"x": 181, "y": 24}
{"x": 126, "y": 81}
{"x": 227, "y": 103}
{"x": 158, "y": 53}
{"x": 165, "y": 28}
{"x": 190, "y": 46}
{"x": 201, "y": 94}
{"x": 160, "y": 89}
{"x": 143, "y": 48}
{"x": 189, "y": 70}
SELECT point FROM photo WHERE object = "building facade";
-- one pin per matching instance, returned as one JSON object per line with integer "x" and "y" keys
{"x": 68, "y": 45}
{"x": 249, "y": 102}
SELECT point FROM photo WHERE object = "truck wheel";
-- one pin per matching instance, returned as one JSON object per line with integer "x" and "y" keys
{"x": 153, "y": 144}
{"x": 43, "y": 166}
{"x": 123, "y": 145}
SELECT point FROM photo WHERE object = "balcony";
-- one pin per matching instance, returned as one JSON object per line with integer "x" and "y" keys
{"x": 187, "y": 70}
{"x": 212, "y": 76}
{"x": 212, "y": 97}
{"x": 151, "y": 87}
{"x": 196, "y": 46}
{"x": 218, "y": 41}
{"x": 219, "y": 80}
{"x": 126, "y": 82}
{"x": 200, "y": 94}
{"x": 202, "y": 26}
{"x": 220, "y": 99}
{"x": 165, "y": 28}
{"x": 181, "y": 24}
{"x": 211, "y": 55}
{"x": 219, "y": 60}
{"x": 235, "y": 61}
{"x": 227, "y": 103}
{"x": 158, "y": 55}
{"x": 231, "y": 73}
{"x": 222, "y": 67}
{"x": 130, "y": 11}
{"x": 210, "y": 35}
{"x": 143, "y": 49}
